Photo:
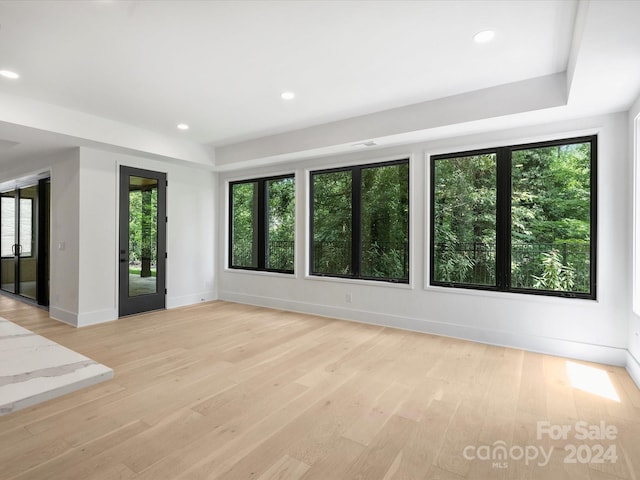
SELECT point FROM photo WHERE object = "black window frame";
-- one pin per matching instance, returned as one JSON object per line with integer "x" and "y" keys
{"x": 503, "y": 217}
{"x": 263, "y": 229}
{"x": 356, "y": 221}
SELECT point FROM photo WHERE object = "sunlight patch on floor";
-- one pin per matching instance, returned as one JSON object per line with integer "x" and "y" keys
{"x": 591, "y": 380}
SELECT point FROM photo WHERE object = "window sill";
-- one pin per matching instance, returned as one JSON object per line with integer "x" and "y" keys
{"x": 360, "y": 281}
{"x": 265, "y": 273}
{"x": 514, "y": 296}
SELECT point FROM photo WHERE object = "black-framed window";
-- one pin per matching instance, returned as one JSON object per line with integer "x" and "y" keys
{"x": 360, "y": 222}
{"x": 262, "y": 224}
{"x": 520, "y": 218}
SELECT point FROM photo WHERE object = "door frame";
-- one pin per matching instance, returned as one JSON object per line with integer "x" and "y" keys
{"x": 128, "y": 305}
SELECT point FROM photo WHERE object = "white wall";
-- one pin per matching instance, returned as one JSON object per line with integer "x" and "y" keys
{"x": 97, "y": 300}
{"x": 84, "y": 228}
{"x": 64, "y": 168}
{"x": 65, "y": 237}
{"x": 633, "y": 362}
{"x": 190, "y": 233}
{"x": 592, "y": 330}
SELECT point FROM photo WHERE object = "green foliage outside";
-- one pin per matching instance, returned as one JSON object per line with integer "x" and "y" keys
{"x": 555, "y": 275}
{"x": 384, "y": 222}
{"x": 280, "y": 230}
{"x": 332, "y": 223}
{"x": 142, "y": 219}
{"x": 244, "y": 224}
{"x": 465, "y": 219}
{"x": 550, "y": 219}
{"x": 281, "y": 218}
{"x": 138, "y": 270}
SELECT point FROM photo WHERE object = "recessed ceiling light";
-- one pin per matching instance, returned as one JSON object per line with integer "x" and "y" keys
{"x": 484, "y": 36}
{"x": 288, "y": 95}
{"x": 9, "y": 74}
{"x": 182, "y": 126}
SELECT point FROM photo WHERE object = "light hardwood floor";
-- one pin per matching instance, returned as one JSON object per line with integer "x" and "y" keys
{"x": 221, "y": 390}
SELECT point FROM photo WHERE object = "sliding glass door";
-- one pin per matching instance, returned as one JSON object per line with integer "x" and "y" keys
{"x": 24, "y": 220}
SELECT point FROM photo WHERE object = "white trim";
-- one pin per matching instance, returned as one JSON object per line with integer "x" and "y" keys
{"x": 248, "y": 176}
{"x": 633, "y": 368}
{"x": 63, "y": 316}
{"x": 249, "y": 271}
{"x": 100, "y": 316}
{"x": 635, "y": 235}
{"x": 551, "y": 346}
{"x": 360, "y": 281}
{"x": 516, "y": 296}
{"x": 192, "y": 299}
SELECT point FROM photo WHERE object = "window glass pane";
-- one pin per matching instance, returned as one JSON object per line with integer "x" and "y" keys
{"x": 385, "y": 222}
{"x": 244, "y": 225}
{"x": 465, "y": 220}
{"x": 143, "y": 236}
{"x": 26, "y": 223}
{"x": 332, "y": 221}
{"x": 281, "y": 218}
{"x": 550, "y": 218}
{"x": 8, "y": 224}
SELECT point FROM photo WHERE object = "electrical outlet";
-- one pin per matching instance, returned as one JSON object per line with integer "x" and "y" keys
{"x": 348, "y": 298}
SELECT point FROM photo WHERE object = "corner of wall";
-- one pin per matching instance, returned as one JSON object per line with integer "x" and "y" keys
{"x": 63, "y": 316}
{"x": 633, "y": 368}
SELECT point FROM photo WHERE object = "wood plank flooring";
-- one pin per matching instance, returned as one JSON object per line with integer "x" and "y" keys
{"x": 227, "y": 391}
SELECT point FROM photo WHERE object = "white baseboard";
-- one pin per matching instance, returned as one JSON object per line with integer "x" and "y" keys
{"x": 83, "y": 319}
{"x": 64, "y": 316}
{"x": 175, "y": 302}
{"x": 552, "y": 346}
{"x": 633, "y": 367}
{"x": 100, "y": 316}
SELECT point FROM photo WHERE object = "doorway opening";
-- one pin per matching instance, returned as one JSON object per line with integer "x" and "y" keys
{"x": 25, "y": 238}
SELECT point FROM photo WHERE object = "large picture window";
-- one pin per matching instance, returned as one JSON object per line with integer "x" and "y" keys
{"x": 360, "y": 222}
{"x": 262, "y": 230}
{"x": 519, "y": 218}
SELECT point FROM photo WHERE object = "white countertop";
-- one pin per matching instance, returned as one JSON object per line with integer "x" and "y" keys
{"x": 34, "y": 369}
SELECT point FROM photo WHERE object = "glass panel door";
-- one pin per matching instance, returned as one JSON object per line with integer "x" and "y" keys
{"x": 142, "y": 240}
{"x": 26, "y": 249}
{"x": 24, "y": 258}
{"x": 8, "y": 232}
{"x": 143, "y": 236}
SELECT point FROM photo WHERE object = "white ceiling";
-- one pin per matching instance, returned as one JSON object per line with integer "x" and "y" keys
{"x": 220, "y": 66}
